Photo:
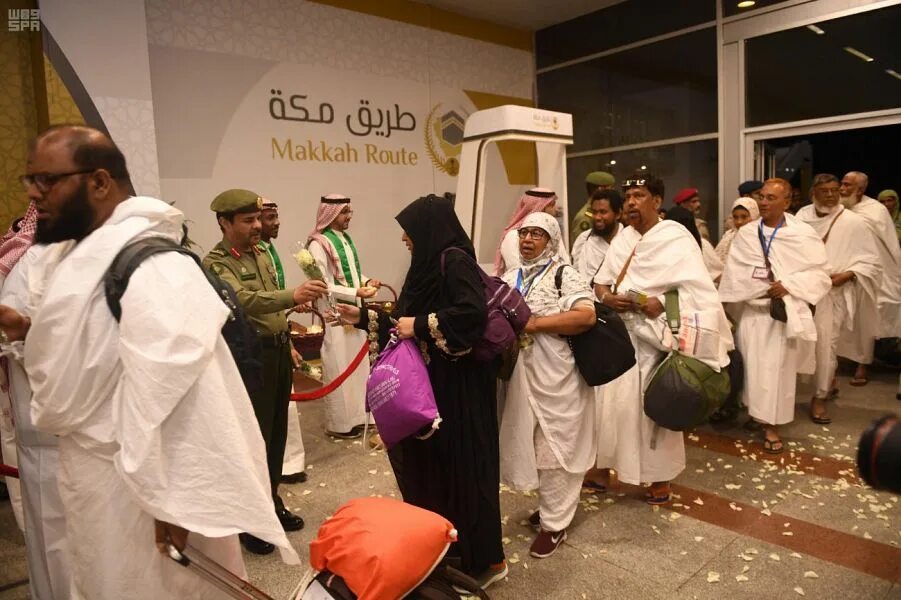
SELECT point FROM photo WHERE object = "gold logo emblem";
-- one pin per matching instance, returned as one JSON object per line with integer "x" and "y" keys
{"x": 444, "y": 138}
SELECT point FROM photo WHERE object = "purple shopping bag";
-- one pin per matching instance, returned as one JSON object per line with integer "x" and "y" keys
{"x": 399, "y": 394}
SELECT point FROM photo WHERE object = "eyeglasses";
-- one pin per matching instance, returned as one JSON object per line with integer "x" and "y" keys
{"x": 535, "y": 234}
{"x": 45, "y": 181}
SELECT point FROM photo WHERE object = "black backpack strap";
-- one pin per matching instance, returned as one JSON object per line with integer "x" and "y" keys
{"x": 558, "y": 280}
{"x": 115, "y": 281}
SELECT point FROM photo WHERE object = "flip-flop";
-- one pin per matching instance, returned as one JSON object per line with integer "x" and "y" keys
{"x": 594, "y": 486}
{"x": 859, "y": 381}
{"x": 769, "y": 446}
{"x": 657, "y": 500}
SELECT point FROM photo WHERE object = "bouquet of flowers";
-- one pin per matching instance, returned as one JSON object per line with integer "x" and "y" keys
{"x": 308, "y": 264}
{"x": 310, "y": 268}
{"x": 311, "y": 371}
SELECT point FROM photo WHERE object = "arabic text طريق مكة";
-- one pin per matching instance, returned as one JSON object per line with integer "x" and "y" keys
{"x": 364, "y": 124}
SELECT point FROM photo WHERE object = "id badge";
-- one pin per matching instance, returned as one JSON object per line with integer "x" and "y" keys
{"x": 761, "y": 273}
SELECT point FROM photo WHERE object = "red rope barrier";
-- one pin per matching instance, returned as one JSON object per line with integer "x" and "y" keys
{"x": 8, "y": 471}
{"x": 331, "y": 387}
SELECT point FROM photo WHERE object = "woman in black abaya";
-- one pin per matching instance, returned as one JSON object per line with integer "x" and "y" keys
{"x": 456, "y": 472}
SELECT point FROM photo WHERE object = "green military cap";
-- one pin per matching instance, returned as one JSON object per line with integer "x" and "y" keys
{"x": 600, "y": 178}
{"x": 237, "y": 201}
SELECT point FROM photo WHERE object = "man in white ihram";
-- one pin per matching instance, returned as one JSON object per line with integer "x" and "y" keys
{"x": 879, "y": 220}
{"x": 157, "y": 438}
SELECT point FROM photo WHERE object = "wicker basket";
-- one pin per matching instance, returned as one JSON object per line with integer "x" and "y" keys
{"x": 308, "y": 344}
{"x": 385, "y": 306}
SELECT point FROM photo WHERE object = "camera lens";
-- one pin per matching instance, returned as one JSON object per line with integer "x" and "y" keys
{"x": 879, "y": 454}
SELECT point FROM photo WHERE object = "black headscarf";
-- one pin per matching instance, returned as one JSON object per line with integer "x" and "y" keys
{"x": 684, "y": 217}
{"x": 433, "y": 226}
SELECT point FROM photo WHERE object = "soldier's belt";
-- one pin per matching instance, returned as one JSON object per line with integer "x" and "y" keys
{"x": 275, "y": 340}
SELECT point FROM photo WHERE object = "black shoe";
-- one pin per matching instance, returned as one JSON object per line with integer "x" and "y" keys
{"x": 255, "y": 545}
{"x": 289, "y": 521}
{"x": 294, "y": 478}
{"x": 354, "y": 433}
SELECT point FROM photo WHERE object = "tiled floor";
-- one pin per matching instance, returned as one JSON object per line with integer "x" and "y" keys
{"x": 744, "y": 525}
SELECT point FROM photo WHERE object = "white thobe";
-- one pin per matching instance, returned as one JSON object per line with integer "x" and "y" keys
{"x": 345, "y": 408}
{"x": 711, "y": 259}
{"x": 666, "y": 258}
{"x": 775, "y": 352}
{"x": 38, "y": 457}
{"x": 589, "y": 250}
{"x": 849, "y": 247}
{"x": 132, "y": 405}
{"x": 547, "y": 432}
{"x": 295, "y": 460}
{"x": 886, "y": 238}
{"x": 510, "y": 251}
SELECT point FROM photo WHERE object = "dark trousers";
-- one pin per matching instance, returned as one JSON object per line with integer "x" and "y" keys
{"x": 271, "y": 408}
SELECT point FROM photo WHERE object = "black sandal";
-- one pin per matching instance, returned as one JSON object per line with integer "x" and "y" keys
{"x": 773, "y": 446}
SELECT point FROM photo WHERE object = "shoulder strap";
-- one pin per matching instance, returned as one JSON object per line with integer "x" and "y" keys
{"x": 622, "y": 273}
{"x": 116, "y": 278}
{"x": 828, "y": 231}
{"x": 671, "y": 305}
{"x": 558, "y": 280}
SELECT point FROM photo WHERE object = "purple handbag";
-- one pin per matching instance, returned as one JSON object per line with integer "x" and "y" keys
{"x": 399, "y": 394}
{"x": 508, "y": 314}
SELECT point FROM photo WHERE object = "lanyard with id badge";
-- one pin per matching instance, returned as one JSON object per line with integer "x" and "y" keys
{"x": 765, "y": 273}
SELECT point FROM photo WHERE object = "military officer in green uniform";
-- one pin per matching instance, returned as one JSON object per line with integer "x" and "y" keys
{"x": 239, "y": 261}
{"x": 596, "y": 180}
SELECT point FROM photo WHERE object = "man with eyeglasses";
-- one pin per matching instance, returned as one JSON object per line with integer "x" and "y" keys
{"x": 157, "y": 441}
{"x": 882, "y": 228}
{"x": 848, "y": 308}
{"x": 647, "y": 259}
{"x": 337, "y": 257}
{"x": 591, "y": 246}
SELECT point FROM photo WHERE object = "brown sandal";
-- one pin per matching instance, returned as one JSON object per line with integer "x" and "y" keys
{"x": 773, "y": 446}
{"x": 822, "y": 418}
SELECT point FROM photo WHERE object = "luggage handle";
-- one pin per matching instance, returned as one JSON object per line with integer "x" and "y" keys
{"x": 215, "y": 574}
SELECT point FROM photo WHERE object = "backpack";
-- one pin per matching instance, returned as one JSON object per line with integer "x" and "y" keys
{"x": 445, "y": 582}
{"x": 239, "y": 333}
{"x": 605, "y": 351}
{"x": 508, "y": 313}
{"x": 683, "y": 392}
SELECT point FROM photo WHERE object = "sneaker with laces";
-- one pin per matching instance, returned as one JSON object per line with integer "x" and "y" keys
{"x": 546, "y": 543}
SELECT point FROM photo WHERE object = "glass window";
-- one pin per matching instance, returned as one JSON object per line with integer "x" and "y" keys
{"x": 835, "y": 67}
{"x": 618, "y": 25}
{"x": 738, "y": 7}
{"x": 693, "y": 164}
{"x": 653, "y": 92}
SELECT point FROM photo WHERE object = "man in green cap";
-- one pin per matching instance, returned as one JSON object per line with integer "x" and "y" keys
{"x": 239, "y": 261}
{"x": 596, "y": 180}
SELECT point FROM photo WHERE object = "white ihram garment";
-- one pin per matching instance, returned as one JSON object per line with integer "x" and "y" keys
{"x": 846, "y": 312}
{"x": 345, "y": 408}
{"x": 883, "y": 230}
{"x": 666, "y": 258}
{"x": 45, "y": 522}
{"x": 775, "y": 352}
{"x": 152, "y": 415}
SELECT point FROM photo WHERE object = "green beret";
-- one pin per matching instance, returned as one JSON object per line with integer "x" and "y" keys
{"x": 600, "y": 178}
{"x": 237, "y": 201}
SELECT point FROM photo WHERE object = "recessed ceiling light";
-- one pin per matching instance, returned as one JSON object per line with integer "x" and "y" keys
{"x": 894, "y": 73}
{"x": 858, "y": 54}
{"x": 612, "y": 162}
{"x": 816, "y": 29}
{"x": 746, "y": 3}
{"x": 644, "y": 167}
